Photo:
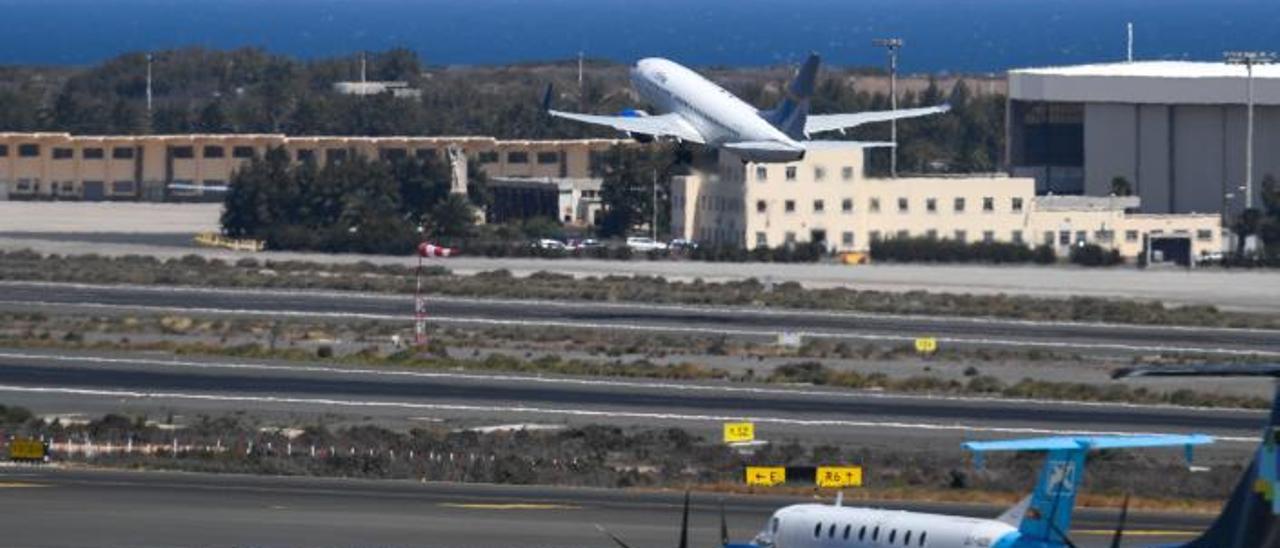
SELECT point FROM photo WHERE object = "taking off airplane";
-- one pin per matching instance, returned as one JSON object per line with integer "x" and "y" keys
{"x": 694, "y": 109}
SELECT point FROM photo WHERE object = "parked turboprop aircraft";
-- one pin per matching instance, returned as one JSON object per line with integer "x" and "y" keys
{"x": 697, "y": 110}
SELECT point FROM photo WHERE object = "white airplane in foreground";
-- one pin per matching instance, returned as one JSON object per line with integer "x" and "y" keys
{"x": 696, "y": 110}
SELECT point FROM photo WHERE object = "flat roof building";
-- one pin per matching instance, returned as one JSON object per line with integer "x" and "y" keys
{"x": 826, "y": 198}
{"x": 1175, "y": 130}
{"x": 160, "y": 167}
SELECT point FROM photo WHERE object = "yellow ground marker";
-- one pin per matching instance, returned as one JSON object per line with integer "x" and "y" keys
{"x": 19, "y": 484}
{"x": 509, "y": 506}
{"x": 1138, "y": 533}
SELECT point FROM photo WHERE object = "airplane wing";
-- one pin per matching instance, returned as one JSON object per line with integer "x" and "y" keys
{"x": 663, "y": 125}
{"x": 818, "y": 123}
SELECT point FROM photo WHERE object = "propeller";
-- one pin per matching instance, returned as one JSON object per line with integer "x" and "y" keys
{"x": 724, "y": 526}
{"x": 684, "y": 527}
{"x": 1124, "y": 515}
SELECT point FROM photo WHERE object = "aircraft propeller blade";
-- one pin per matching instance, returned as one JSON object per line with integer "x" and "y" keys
{"x": 684, "y": 523}
{"x": 612, "y": 536}
{"x": 1124, "y": 515}
{"x": 724, "y": 526}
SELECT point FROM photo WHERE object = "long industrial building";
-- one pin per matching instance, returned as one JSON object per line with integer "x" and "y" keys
{"x": 1175, "y": 130}
{"x": 826, "y": 198}
{"x": 167, "y": 167}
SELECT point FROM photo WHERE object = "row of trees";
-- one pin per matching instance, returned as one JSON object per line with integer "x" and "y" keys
{"x": 357, "y": 205}
{"x": 1262, "y": 223}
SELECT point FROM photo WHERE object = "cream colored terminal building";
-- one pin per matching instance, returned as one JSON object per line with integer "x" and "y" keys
{"x": 159, "y": 167}
{"x": 825, "y": 197}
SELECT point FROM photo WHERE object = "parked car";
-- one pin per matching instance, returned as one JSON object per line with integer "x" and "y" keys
{"x": 681, "y": 244}
{"x": 583, "y": 245}
{"x": 548, "y": 244}
{"x": 643, "y": 244}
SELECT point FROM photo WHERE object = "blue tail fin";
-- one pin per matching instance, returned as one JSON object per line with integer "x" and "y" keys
{"x": 1047, "y": 515}
{"x": 1251, "y": 516}
{"x": 792, "y": 112}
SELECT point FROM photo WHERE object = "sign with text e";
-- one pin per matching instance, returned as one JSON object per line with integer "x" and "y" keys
{"x": 766, "y": 476}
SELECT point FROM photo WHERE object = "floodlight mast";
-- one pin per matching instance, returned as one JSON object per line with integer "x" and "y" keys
{"x": 1249, "y": 59}
{"x": 892, "y": 45}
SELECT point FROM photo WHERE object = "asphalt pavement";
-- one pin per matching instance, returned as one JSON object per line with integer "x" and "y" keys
{"x": 92, "y": 383}
{"x": 752, "y": 322}
{"x": 44, "y": 507}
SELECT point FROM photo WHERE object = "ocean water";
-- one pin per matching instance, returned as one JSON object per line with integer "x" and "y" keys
{"x": 940, "y": 35}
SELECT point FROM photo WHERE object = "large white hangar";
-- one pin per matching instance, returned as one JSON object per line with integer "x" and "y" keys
{"x": 1175, "y": 130}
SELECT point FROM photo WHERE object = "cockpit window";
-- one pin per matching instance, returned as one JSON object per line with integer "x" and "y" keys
{"x": 847, "y": 529}
{"x": 774, "y": 525}
{"x": 862, "y": 533}
{"x": 923, "y": 534}
{"x": 817, "y": 530}
{"x": 831, "y": 533}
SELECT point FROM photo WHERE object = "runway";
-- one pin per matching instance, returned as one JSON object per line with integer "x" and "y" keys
{"x": 42, "y": 507}
{"x": 90, "y": 384}
{"x": 752, "y": 322}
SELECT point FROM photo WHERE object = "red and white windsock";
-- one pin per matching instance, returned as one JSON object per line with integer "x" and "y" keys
{"x": 429, "y": 250}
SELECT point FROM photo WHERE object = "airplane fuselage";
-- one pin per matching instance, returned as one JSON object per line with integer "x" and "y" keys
{"x": 825, "y": 526}
{"x": 715, "y": 113}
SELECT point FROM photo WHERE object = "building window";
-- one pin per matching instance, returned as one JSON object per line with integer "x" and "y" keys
{"x": 212, "y": 151}
{"x": 959, "y": 205}
{"x": 903, "y": 234}
{"x": 931, "y": 234}
{"x": 183, "y": 152}
{"x": 931, "y": 205}
{"x": 1104, "y": 236}
{"x": 1048, "y": 237}
{"x": 874, "y": 235}
{"x": 988, "y": 204}
{"x": 874, "y": 207}
{"x": 791, "y": 173}
{"x": 4, "y": 150}
{"x": 548, "y": 158}
{"x": 28, "y": 150}
{"x": 846, "y": 205}
{"x": 961, "y": 236}
{"x": 761, "y": 206}
{"x": 1204, "y": 235}
{"x": 902, "y": 205}
{"x": 1017, "y": 204}
{"x": 846, "y": 239}
{"x": 762, "y": 239}
{"x": 1080, "y": 236}
{"x": 61, "y": 153}
{"x": 122, "y": 187}
{"x": 1064, "y": 237}
{"x": 819, "y": 206}
{"x": 94, "y": 153}
{"x": 305, "y": 154}
{"x": 1016, "y": 237}
{"x": 242, "y": 152}
{"x": 819, "y": 173}
{"x": 488, "y": 157}
{"x": 393, "y": 154}
{"x": 762, "y": 173}
{"x": 789, "y": 206}
{"x": 790, "y": 238}
{"x": 335, "y": 155}
{"x": 988, "y": 236}
{"x": 425, "y": 154}
{"x": 846, "y": 173}
{"x": 518, "y": 157}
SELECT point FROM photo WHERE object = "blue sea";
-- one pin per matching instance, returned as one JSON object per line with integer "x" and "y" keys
{"x": 940, "y": 35}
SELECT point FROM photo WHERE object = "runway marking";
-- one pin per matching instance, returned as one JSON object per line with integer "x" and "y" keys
{"x": 651, "y": 385}
{"x": 20, "y": 484}
{"x": 1029, "y": 343}
{"x": 509, "y": 506}
{"x": 1138, "y": 533}
{"x": 612, "y": 414}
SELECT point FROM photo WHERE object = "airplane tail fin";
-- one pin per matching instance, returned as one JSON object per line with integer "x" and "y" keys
{"x": 1045, "y": 516}
{"x": 1251, "y": 517}
{"x": 790, "y": 114}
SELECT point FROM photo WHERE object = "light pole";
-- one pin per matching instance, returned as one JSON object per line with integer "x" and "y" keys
{"x": 1249, "y": 59}
{"x": 892, "y": 45}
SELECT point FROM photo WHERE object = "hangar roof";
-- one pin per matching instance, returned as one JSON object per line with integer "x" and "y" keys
{"x": 1146, "y": 82}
